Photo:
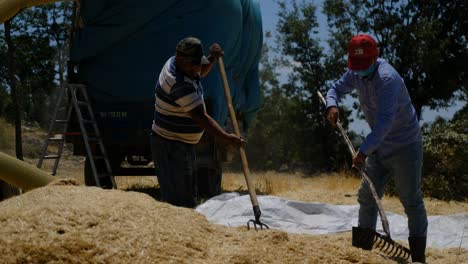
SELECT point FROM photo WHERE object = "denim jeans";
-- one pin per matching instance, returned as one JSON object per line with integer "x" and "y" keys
{"x": 175, "y": 162}
{"x": 405, "y": 169}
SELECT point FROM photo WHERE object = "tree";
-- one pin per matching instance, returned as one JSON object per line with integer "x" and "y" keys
{"x": 40, "y": 38}
{"x": 445, "y": 168}
{"x": 424, "y": 40}
{"x": 270, "y": 134}
{"x": 29, "y": 43}
{"x": 298, "y": 41}
{"x": 11, "y": 65}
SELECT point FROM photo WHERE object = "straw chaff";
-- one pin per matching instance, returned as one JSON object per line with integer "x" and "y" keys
{"x": 76, "y": 224}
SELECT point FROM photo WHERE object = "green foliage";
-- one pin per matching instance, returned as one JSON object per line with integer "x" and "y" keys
{"x": 271, "y": 145}
{"x": 297, "y": 40}
{"x": 40, "y": 38}
{"x": 319, "y": 145}
{"x": 445, "y": 170}
{"x": 273, "y": 135}
{"x": 290, "y": 128}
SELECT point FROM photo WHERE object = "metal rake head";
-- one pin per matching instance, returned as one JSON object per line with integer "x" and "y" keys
{"x": 388, "y": 246}
{"x": 368, "y": 239}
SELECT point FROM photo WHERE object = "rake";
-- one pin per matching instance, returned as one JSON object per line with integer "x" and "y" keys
{"x": 245, "y": 165}
{"x": 384, "y": 243}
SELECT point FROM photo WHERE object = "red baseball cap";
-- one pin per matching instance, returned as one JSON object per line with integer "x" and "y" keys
{"x": 362, "y": 49}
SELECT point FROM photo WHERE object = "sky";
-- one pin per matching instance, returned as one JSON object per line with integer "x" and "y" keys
{"x": 269, "y": 9}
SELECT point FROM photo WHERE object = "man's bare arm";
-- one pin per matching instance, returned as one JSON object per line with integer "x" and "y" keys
{"x": 210, "y": 126}
{"x": 215, "y": 53}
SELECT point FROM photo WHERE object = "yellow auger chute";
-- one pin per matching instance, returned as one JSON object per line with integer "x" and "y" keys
{"x": 9, "y": 8}
{"x": 22, "y": 174}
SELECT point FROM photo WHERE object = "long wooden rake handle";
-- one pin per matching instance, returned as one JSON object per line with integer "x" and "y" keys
{"x": 245, "y": 164}
{"x": 383, "y": 217}
{"x": 384, "y": 243}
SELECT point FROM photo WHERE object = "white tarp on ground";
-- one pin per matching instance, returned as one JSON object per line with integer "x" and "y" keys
{"x": 231, "y": 209}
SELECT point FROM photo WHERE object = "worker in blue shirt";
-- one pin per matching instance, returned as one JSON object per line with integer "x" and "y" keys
{"x": 393, "y": 148}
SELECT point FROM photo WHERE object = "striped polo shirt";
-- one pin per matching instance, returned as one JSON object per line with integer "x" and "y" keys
{"x": 176, "y": 95}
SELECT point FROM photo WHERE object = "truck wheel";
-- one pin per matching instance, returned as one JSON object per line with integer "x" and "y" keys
{"x": 7, "y": 190}
{"x": 209, "y": 182}
{"x": 106, "y": 182}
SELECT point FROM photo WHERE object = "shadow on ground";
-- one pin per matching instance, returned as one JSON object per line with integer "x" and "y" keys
{"x": 155, "y": 192}
{"x": 151, "y": 191}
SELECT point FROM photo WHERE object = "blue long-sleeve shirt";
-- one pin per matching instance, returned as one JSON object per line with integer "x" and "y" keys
{"x": 386, "y": 105}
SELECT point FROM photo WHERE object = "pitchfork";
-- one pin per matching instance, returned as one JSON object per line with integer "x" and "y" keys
{"x": 245, "y": 165}
{"x": 385, "y": 243}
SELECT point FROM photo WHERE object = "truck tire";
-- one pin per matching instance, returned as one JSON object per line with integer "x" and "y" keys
{"x": 209, "y": 182}
{"x": 89, "y": 180}
{"x": 7, "y": 190}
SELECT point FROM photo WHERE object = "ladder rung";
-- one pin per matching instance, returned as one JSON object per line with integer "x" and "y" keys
{"x": 56, "y": 139}
{"x": 61, "y": 121}
{"x": 65, "y": 133}
{"x": 51, "y": 156}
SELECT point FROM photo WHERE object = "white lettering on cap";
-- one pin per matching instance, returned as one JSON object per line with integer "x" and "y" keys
{"x": 359, "y": 51}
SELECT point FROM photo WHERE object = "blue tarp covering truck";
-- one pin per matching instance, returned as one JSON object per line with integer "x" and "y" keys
{"x": 120, "y": 49}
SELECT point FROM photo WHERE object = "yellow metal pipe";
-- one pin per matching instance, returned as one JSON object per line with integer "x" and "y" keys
{"x": 9, "y": 8}
{"x": 22, "y": 174}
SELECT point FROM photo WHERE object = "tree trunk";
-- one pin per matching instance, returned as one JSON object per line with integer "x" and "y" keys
{"x": 14, "y": 87}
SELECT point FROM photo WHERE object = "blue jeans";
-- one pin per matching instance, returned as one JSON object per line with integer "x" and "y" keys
{"x": 175, "y": 162}
{"x": 405, "y": 168}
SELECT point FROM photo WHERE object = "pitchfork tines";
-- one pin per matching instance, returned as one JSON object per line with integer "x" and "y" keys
{"x": 257, "y": 223}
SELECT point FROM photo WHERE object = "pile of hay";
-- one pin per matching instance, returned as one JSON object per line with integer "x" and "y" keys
{"x": 77, "y": 224}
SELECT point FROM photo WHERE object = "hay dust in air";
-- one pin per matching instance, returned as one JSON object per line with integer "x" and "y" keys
{"x": 68, "y": 223}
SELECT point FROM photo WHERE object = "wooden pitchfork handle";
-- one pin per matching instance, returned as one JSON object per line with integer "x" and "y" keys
{"x": 245, "y": 164}
{"x": 383, "y": 216}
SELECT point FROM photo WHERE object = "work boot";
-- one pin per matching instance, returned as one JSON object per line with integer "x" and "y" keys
{"x": 363, "y": 238}
{"x": 418, "y": 248}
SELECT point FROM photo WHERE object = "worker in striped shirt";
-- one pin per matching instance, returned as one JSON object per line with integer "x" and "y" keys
{"x": 180, "y": 119}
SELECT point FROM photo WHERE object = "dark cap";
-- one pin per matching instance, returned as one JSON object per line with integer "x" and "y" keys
{"x": 192, "y": 49}
{"x": 362, "y": 49}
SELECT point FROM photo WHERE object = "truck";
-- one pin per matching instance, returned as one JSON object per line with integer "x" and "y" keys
{"x": 118, "y": 50}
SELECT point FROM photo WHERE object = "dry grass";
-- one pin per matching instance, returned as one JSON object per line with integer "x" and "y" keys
{"x": 327, "y": 188}
{"x": 33, "y": 139}
{"x": 7, "y": 135}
